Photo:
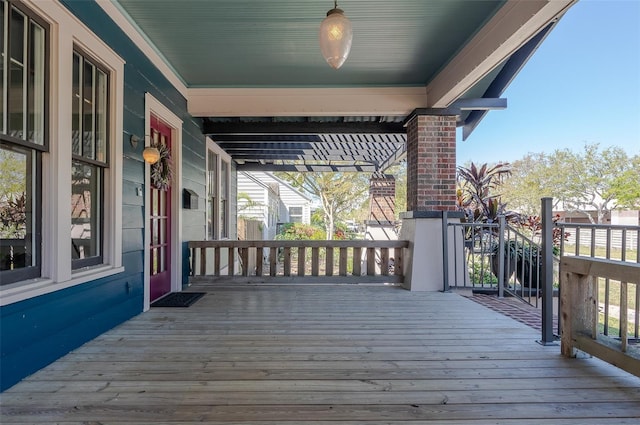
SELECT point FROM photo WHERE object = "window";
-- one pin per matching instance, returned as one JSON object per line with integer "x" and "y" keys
{"x": 23, "y": 74}
{"x": 89, "y": 149}
{"x": 295, "y": 214}
{"x": 218, "y": 189}
{"x": 212, "y": 194}
{"x": 224, "y": 199}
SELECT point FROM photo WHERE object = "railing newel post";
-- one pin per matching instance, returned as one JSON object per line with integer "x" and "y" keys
{"x": 501, "y": 255}
{"x": 547, "y": 272}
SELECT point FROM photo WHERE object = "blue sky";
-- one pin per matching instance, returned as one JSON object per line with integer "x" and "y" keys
{"x": 582, "y": 85}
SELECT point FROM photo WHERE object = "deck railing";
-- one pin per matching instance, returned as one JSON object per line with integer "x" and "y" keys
{"x": 609, "y": 242}
{"x": 498, "y": 258}
{"x": 582, "y": 326}
{"x": 344, "y": 261}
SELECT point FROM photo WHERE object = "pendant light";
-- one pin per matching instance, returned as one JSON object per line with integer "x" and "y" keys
{"x": 335, "y": 37}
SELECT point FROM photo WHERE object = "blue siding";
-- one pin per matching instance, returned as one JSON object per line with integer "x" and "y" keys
{"x": 37, "y": 331}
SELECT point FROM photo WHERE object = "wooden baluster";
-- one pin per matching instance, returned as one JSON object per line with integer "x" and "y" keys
{"x": 384, "y": 261}
{"x": 302, "y": 263}
{"x": 244, "y": 255}
{"x": 398, "y": 259}
{"x": 371, "y": 261}
{"x": 287, "y": 261}
{"x": 315, "y": 261}
{"x": 273, "y": 261}
{"x": 216, "y": 261}
{"x": 231, "y": 262}
{"x": 624, "y": 319}
{"x": 329, "y": 262}
{"x": 192, "y": 272}
{"x": 344, "y": 255}
{"x": 357, "y": 261}
{"x": 203, "y": 261}
{"x": 259, "y": 261}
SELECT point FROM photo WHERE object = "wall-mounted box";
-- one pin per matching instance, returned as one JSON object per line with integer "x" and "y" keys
{"x": 189, "y": 199}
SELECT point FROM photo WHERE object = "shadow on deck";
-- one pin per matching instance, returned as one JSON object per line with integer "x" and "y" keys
{"x": 323, "y": 354}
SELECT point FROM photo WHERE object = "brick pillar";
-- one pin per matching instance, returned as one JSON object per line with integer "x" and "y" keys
{"x": 382, "y": 199}
{"x": 431, "y": 163}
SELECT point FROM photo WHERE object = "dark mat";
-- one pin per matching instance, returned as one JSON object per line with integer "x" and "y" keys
{"x": 178, "y": 299}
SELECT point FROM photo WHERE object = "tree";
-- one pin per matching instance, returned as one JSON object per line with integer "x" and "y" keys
{"x": 338, "y": 193}
{"x": 476, "y": 192}
{"x": 592, "y": 180}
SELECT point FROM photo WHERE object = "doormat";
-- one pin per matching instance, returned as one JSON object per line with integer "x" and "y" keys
{"x": 178, "y": 299}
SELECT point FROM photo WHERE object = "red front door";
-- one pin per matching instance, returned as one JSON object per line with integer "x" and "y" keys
{"x": 160, "y": 222}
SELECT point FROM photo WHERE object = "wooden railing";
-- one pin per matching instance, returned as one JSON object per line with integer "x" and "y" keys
{"x": 579, "y": 307}
{"x": 353, "y": 261}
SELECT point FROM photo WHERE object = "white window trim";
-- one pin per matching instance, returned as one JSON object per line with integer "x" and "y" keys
{"x": 222, "y": 156}
{"x": 66, "y": 32}
{"x": 155, "y": 107}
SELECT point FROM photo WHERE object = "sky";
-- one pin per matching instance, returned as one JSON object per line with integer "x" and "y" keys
{"x": 581, "y": 86}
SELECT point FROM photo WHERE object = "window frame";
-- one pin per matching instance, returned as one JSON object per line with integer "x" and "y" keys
{"x": 29, "y": 147}
{"x": 66, "y": 33}
{"x": 101, "y": 167}
{"x": 220, "y": 222}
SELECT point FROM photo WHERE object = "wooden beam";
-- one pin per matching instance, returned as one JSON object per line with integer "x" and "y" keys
{"x": 511, "y": 27}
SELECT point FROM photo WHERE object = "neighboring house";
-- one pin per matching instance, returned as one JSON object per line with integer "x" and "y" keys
{"x": 260, "y": 201}
{"x": 271, "y": 200}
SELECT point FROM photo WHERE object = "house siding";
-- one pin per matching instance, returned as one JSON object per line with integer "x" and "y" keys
{"x": 37, "y": 331}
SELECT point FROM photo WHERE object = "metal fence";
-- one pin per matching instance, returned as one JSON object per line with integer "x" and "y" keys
{"x": 497, "y": 258}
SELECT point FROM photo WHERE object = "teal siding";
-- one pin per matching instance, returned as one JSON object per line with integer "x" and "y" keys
{"x": 37, "y": 331}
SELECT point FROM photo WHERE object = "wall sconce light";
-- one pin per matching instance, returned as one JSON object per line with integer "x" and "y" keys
{"x": 151, "y": 154}
{"x": 336, "y": 36}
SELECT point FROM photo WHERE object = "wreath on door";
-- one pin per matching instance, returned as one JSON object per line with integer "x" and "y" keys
{"x": 161, "y": 171}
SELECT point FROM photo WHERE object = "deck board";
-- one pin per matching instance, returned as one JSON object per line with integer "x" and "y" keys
{"x": 316, "y": 355}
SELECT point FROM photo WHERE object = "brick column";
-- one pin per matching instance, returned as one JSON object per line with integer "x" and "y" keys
{"x": 431, "y": 163}
{"x": 382, "y": 199}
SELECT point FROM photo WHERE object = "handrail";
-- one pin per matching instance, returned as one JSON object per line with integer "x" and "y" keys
{"x": 580, "y": 310}
{"x": 305, "y": 261}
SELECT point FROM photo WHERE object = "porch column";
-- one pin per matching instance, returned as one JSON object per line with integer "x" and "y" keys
{"x": 382, "y": 205}
{"x": 431, "y": 198}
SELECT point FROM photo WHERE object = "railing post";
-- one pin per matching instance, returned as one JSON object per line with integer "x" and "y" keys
{"x": 547, "y": 273}
{"x": 501, "y": 257}
{"x": 445, "y": 252}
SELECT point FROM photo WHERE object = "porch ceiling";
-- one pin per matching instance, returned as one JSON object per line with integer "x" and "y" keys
{"x": 252, "y": 69}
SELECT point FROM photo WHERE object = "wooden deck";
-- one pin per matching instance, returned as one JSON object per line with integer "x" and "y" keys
{"x": 313, "y": 355}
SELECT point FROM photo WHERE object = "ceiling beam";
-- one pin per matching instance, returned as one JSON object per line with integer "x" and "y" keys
{"x": 511, "y": 27}
{"x": 214, "y": 129}
{"x": 323, "y": 101}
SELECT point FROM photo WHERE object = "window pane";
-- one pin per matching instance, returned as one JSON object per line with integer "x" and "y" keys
{"x": 2, "y": 62}
{"x": 18, "y": 205}
{"x": 210, "y": 219}
{"x": 35, "y": 89}
{"x": 76, "y": 105}
{"x": 88, "y": 135}
{"x": 224, "y": 180}
{"x": 16, "y": 93}
{"x": 101, "y": 116}
{"x": 85, "y": 211}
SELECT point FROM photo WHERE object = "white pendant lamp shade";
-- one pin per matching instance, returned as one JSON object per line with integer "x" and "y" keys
{"x": 335, "y": 38}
